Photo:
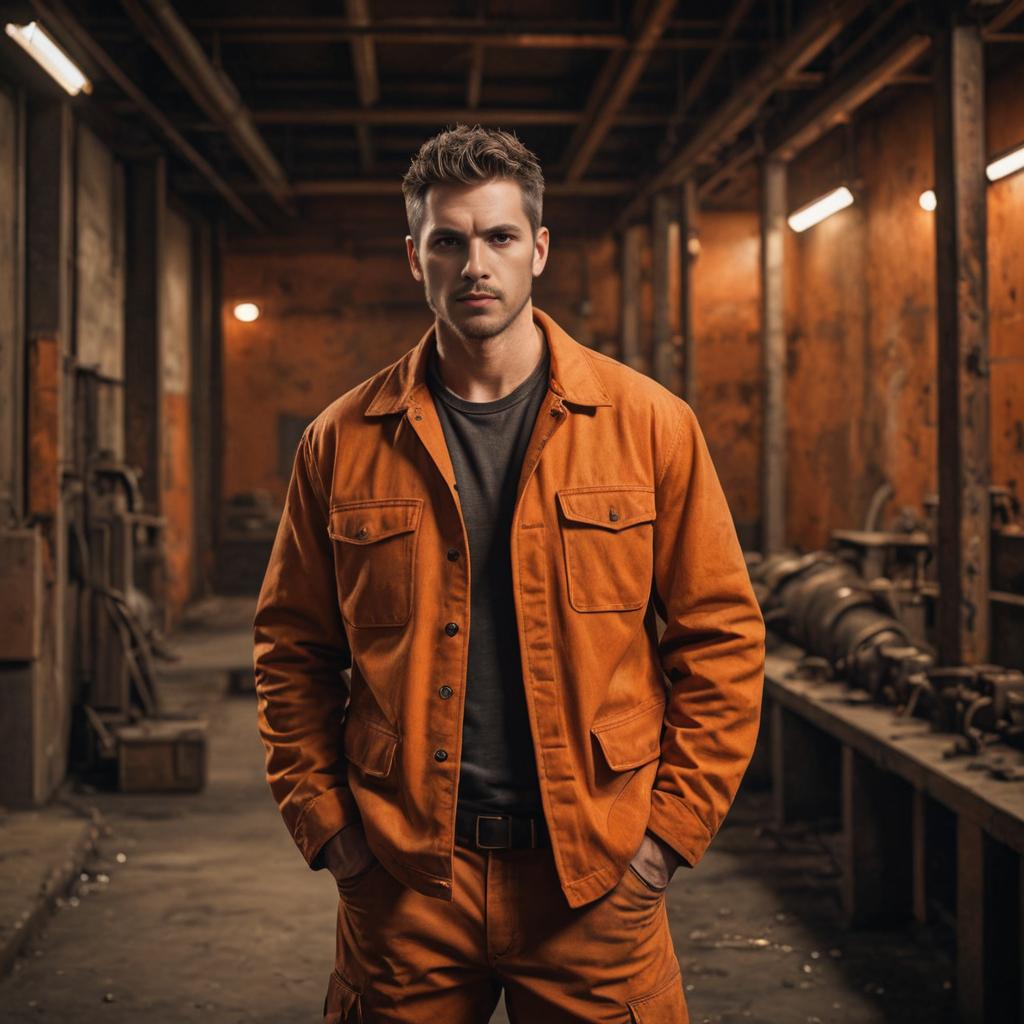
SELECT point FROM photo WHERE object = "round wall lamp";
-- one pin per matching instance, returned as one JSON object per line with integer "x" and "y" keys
{"x": 247, "y": 312}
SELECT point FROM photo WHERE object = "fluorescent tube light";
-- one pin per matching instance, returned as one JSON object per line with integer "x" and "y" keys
{"x": 247, "y": 312}
{"x": 927, "y": 200}
{"x": 1006, "y": 164}
{"x": 815, "y": 212}
{"x": 37, "y": 43}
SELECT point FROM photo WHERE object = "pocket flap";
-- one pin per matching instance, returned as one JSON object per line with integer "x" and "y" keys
{"x": 614, "y": 508}
{"x": 364, "y": 522}
{"x": 369, "y": 746}
{"x": 633, "y": 739}
{"x": 666, "y": 1005}
{"x": 340, "y": 1000}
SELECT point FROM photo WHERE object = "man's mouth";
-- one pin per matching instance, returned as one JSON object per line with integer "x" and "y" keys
{"x": 477, "y": 299}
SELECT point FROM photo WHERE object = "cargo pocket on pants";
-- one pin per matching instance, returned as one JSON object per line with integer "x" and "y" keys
{"x": 341, "y": 1006}
{"x": 666, "y": 1005}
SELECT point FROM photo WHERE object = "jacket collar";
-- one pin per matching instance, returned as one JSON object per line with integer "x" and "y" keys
{"x": 572, "y": 374}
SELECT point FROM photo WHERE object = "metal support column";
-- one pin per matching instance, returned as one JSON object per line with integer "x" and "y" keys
{"x": 689, "y": 246}
{"x": 631, "y": 240}
{"x": 665, "y": 257}
{"x": 963, "y": 372}
{"x": 773, "y": 226}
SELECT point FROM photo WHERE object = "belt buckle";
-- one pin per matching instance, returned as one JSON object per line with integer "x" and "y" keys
{"x": 494, "y": 817}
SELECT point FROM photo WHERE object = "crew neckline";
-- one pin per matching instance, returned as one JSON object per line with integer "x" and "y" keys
{"x": 518, "y": 394}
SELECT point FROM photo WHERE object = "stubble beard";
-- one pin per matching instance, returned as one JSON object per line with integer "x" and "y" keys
{"x": 473, "y": 330}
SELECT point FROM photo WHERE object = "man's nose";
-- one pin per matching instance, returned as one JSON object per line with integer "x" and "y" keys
{"x": 475, "y": 267}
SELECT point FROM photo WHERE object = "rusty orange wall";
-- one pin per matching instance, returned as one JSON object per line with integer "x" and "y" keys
{"x": 727, "y": 338}
{"x": 332, "y": 318}
{"x": 1005, "y": 129}
{"x": 860, "y": 317}
{"x": 860, "y": 324}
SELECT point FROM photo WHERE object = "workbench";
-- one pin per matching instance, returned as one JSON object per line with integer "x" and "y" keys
{"x": 921, "y": 830}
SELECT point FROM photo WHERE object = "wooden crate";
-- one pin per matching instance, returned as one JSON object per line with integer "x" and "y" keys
{"x": 162, "y": 755}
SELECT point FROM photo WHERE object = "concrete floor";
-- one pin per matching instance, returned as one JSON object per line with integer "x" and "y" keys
{"x": 199, "y": 908}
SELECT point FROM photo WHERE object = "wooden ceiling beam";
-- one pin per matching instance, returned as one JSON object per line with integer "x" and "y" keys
{"x": 364, "y": 66}
{"x": 211, "y": 90}
{"x": 438, "y": 31}
{"x": 513, "y": 116}
{"x": 584, "y": 143}
{"x": 850, "y": 91}
{"x": 318, "y": 188}
{"x": 793, "y": 54}
{"x": 57, "y": 17}
{"x": 475, "y": 75}
{"x": 1010, "y": 13}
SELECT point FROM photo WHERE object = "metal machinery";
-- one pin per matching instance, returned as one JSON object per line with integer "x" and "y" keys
{"x": 116, "y": 590}
{"x": 863, "y": 611}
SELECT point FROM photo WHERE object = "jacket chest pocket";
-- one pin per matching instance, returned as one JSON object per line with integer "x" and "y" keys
{"x": 608, "y": 541}
{"x": 375, "y": 558}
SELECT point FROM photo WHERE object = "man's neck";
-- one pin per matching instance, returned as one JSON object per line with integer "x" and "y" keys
{"x": 486, "y": 369}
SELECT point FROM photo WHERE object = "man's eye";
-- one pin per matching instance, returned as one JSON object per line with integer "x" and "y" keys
{"x": 443, "y": 243}
{"x": 501, "y": 238}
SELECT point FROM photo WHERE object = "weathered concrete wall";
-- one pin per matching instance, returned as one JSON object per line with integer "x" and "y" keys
{"x": 176, "y": 455}
{"x": 12, "y": 360}
{"x": 100, "y": 282}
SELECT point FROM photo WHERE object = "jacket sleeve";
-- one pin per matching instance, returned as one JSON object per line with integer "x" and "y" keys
{"x": 300, "y": 656}
{"x": 712, "y": 650}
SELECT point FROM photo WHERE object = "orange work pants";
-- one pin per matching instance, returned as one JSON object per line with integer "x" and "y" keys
{"x": 403, "y": 957}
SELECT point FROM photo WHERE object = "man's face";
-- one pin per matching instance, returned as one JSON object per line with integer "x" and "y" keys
{"x": 476, "y": 256}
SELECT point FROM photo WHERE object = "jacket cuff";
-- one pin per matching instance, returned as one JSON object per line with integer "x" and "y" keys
{"x": 673, "y": 821}
{"x": 323, "y": 817}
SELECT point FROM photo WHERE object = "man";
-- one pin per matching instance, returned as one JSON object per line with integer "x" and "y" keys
{"x": 482, "y": 533}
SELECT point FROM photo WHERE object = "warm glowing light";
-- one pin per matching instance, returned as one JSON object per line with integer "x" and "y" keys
{"x": 815, "y": 212}
{"x": 38, "y": 44}
{"x": 247, "y": 312}
{"x": 1006, "y": 164}
{"x": 927, "y": 201}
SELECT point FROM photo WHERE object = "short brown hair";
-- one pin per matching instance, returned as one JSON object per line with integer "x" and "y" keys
{"x": 467, "y": 155}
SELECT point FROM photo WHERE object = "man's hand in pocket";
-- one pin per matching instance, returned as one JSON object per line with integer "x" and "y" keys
{"x": 347, "y": 853}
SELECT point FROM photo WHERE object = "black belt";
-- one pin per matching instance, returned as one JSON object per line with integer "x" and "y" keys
{"x": 499, "y": 831}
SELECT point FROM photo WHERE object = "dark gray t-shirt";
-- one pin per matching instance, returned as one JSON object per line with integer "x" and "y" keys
{"x": 487, "y": 442}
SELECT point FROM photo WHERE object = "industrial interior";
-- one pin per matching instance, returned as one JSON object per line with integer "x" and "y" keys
{"x": 803, "y": 217}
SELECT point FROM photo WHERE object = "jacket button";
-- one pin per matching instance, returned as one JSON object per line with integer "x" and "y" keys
{"x": 554, "y": 412}
{"x": 452, "y": 628}
{"x": 440, "y": 755}
{"x": 362, "y": 531}
{"x": 453, "y": 554}
{"x": 613, "y": 515}
{"x": 445, "y": 691}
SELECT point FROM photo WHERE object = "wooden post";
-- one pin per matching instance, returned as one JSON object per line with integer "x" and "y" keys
{"x": 963, "y": 370}
{"x": 773, "y": 477}
{"x": 877, "y": 843}
{"x": 664, "y": 254}
{"x": 805, "y": 769}
{"x": 632, "y": 240}
{"x": 689, "y": 246}
{"x": 146, "y": 182}
{"x": 919, "y": 830}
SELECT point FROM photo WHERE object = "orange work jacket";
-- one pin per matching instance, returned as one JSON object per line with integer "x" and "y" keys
{"x": 363, "y": 616}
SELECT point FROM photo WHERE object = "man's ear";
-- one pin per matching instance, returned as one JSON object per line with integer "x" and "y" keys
{"x": 414, "y": 259}
{"x": 541, "y": 246}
